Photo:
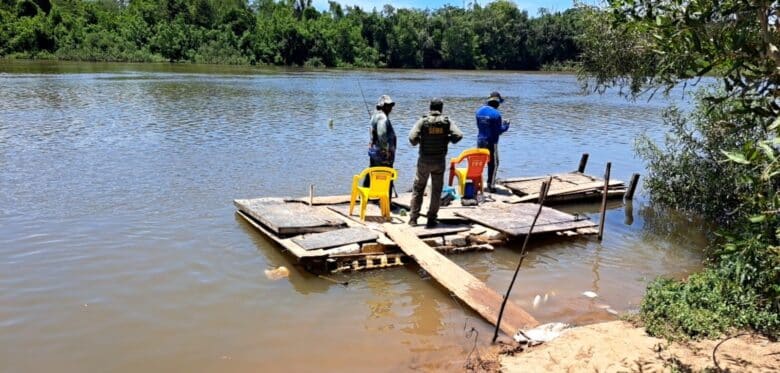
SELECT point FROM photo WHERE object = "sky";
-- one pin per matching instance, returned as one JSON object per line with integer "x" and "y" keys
{"x": 532, "y": 6}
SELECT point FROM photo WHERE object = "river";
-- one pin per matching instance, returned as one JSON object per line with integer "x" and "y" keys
{"x": 120, "y": 249}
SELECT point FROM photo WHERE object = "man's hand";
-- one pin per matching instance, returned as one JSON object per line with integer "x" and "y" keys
{"x": 506, "y": 123}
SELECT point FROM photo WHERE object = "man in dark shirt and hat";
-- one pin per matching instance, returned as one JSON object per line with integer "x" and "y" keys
{"x": 433, "y": 133}
{"x": 381, "y": 149}
{"x": 490, "y": 128}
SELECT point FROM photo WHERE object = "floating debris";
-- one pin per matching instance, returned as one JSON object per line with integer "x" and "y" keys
{"x": 545, "y": 297}
{"x": 540, "y": 334}
{"x": 590, "y": 294}
{"x": 610, "y": 310}
{"x": 537, "y": 300}
{"x": 277, "y": 273}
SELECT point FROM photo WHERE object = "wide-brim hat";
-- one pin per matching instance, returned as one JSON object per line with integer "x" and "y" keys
{"x": 385, "y": 100}
{"x": 495, "y": 96}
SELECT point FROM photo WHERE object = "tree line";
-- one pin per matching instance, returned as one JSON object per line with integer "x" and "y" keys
{"x": 498, "y": 35}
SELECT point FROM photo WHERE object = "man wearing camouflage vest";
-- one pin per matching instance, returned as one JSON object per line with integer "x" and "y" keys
{"x": 433, "y": 132}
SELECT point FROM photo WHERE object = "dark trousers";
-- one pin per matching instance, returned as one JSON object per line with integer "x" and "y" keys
{"x": 367, "y": 180}
{"x": 492, "y": 164}
{"x": 433, "y": 168}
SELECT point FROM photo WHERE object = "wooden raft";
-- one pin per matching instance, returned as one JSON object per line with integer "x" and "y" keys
{"x": 482, "y": 299}
{"x": 289, "y": 217}
{"x": 516, "y": 219}
{"x": 564, "y": 187}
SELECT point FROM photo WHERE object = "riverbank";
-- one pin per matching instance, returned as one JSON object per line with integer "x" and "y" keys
{"x": 619, "y": 346}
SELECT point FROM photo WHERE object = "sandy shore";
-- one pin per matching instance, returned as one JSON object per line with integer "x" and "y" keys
{"x": 620, "y": 347}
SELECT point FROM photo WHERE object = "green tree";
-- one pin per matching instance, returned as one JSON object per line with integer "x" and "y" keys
{"x": 721, "y": 160}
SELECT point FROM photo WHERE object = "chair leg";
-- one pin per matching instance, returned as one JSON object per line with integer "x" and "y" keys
{"x": 462, "y": 184}
{"x": 382, "y": 207}
{"x": 363, "y": 204}
{"x": 352, "y": 202}
{"x": 452, "y": 174}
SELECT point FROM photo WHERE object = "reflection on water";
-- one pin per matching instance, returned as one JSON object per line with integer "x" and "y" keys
{"x": 120, "y": 249}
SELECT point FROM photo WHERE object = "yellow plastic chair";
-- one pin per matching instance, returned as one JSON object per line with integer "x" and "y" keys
{"x": 477, "y": 159}
{"x": 379, "y": 189}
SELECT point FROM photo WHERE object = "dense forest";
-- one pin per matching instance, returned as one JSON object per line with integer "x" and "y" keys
{"x": 498, "y": 35}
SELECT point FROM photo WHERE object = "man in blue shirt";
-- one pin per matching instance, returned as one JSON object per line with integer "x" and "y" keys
{"x": 490, "y": 128}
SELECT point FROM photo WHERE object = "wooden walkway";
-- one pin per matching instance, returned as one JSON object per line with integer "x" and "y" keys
{"x": 482, "y": 299}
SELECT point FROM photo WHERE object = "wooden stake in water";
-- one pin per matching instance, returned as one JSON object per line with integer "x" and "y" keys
{"x": 542, "y": 195}
{"x": 583, "y": 163}
{"x": 605, "y": 192}
{"x": 632, "y": 187}
{"x": 311, "y": 194}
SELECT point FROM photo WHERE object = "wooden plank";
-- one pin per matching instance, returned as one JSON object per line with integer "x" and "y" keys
{"x": 482, "y": 299}
{"x": 568, "y": 190}
{"x": 440, "y": 230}
{"x": 287, "y": 218}
{"x": 286, "y": 243}
{"x": 335, "y": 238}
{"x": 373, "y": 213}
{"x": 323, "y": 200}
{"x": 516, "y": 219}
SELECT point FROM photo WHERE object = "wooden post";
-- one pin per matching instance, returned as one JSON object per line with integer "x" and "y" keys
{"x": 629, "y": 210}
{"x": 631, "y": 187}
{"x": 583, "y": 163}
{"x": 604, "y": 201}
{"x": 311, "y": 194}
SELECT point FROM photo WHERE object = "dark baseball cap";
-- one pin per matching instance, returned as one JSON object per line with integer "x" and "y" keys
{"x": 495, "y": 96}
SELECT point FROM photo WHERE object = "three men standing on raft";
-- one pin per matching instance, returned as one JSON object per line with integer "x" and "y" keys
{"x": 433, "y": 133}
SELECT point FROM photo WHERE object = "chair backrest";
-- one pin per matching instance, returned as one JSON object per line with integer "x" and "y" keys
{"x": 477, "y": 159}
{"x": 380, "y": 179}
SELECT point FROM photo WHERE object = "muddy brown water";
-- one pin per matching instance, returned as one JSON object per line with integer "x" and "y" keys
{"x": 120, "y": 249}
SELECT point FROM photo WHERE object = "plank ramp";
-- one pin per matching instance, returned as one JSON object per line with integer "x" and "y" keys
{"x": 289, "y": 218}
{"x": 473, "y": 292}
{"x": 516, "y": 219}
{"x": 336, "y": 238}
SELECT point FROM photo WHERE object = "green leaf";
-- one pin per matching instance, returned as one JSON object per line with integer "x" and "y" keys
{"x": 768, "y": 151}
{"x": 775, "y": 125}
{"x": 757, "y": 218}
{"x": 736, "y": 157}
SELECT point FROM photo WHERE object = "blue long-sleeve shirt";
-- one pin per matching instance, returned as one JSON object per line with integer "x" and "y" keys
{"x": 490, "y": 125}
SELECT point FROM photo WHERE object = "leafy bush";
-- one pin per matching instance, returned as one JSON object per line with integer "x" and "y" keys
{"x": 742, "y": 292}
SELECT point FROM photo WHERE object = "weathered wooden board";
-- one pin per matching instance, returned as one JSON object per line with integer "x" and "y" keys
{"x": 516, "y": 219}
{"x": 286, "y": 243}
{"x": 373, "y": 212}
{"x": 287, "y": 218}
{"x": 324, "y": 200}
{"x": 335, "y": 238}
{"x": 440, "y": 230}
{"x": 482, "y": 299}
{"x": 566, "y": 183}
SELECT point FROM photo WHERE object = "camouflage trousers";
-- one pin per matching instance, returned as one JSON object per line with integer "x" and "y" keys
{"x": 433, "y": 168}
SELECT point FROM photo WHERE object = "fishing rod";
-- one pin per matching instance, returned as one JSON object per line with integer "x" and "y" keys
{"x": 365, "y": 102}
